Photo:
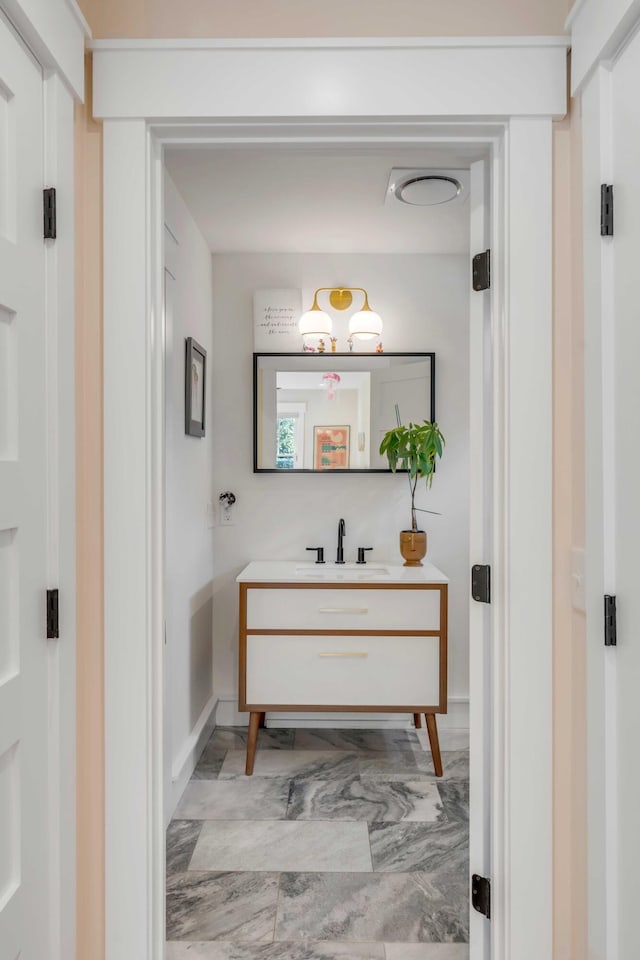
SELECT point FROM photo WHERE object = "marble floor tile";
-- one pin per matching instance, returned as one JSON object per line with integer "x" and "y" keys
{"x": 386, "y": 741}
{"x": 453, "y": 738}
{"x": 455, "y": 764}
{"x": 418, "y": 847}
{"x": 416, "y": 766}
{"x": 235, "y": 738}
{"x": 282, "y": 845}
{"x": 370, "y": 800}
{"x": 454, "y": 795}
{"x": 293, "y": 764}
{"x": 366, "y": 907}
{"x": 252, "y": 798}
{"x": 209, "y": 764}
{"x": 376, "y": 857}
{"x": 181, "y": 840}
{"x": 221, "y": 906}
{"x": 427, "y": 951}
{"x": 402, "y": 765}
{"x": 301, "y": 950}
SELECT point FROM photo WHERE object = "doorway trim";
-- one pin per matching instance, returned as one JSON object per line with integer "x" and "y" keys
{"x": 346, "y": 91}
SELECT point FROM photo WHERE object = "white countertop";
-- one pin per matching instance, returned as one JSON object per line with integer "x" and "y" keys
{"x": 374, "y": 572}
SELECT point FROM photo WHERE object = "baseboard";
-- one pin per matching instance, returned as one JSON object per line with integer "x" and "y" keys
{"x": 185, "y": 763}
{"x": 456, "y": 718}
{"x": 228, "y": 715}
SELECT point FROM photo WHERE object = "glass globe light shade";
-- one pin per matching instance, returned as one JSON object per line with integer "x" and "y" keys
{"x": 315, "y": 323}
{"x": 365, "y": 325}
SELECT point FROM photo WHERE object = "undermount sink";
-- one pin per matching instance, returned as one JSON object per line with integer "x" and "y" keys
{"x": 340, "y": 571}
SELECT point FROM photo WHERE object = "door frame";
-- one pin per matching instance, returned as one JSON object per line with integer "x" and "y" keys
{"x": 55, "y": 32}
{"x": 149, "y": 93}
{"x": 599, "y": 32}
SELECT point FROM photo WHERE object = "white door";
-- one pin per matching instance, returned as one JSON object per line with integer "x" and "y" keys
{"x": 481, "y": 388}
{"x": 24, "y": 836}
{"x": 622, "y": 532}
{"x": 407, "y": 385}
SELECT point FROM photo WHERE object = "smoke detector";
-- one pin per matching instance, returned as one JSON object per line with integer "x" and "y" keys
{"x": 422, "y": 187}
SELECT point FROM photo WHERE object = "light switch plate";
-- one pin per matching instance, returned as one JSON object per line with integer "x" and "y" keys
{"x": 578, "y": 590}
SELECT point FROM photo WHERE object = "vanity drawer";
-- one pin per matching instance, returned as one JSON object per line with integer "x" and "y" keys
{"x": 325, "y": 671}
{"x": 342, "y": 609}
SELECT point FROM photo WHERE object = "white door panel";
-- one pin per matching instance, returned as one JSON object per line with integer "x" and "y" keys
{"x": 408, "y": 386}
{"x": 624, "y": 481}
{"x": 24, "y": 868}
{"x": 481, "y": 387}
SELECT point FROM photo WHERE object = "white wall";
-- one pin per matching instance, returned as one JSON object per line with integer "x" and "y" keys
{"x": 424, "y": 304}
{"x": 189, "y": 485}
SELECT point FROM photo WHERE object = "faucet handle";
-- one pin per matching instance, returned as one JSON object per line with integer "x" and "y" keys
{"x": 361, "y": 552}
{"x": 320, "y": 553}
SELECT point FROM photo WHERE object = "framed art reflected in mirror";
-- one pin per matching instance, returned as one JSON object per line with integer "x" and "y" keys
{"x": 331, "y": 447}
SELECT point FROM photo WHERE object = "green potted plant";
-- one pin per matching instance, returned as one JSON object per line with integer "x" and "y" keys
{"x": 414, "y": 448}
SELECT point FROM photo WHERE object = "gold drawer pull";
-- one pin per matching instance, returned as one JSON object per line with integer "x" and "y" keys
{"x": 343, "y": 610}
{"x": 343, "y": 654}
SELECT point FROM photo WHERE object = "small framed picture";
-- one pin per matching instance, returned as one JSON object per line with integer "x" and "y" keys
{"x": 331, "y": 448}
{"x": 195, "y": 373}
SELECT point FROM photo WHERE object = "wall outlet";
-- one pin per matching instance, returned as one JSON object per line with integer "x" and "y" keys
{"x": 227, "y": 515}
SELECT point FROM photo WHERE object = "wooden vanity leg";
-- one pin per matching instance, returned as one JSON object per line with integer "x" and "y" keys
{"x": 254, "y": 726}
{"x": 434, "y": 743}
{"x": 262, "y": 718}
{"x": 417, "y": 720}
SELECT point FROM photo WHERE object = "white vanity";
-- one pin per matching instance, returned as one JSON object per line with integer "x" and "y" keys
{"x": 350, "y": 637}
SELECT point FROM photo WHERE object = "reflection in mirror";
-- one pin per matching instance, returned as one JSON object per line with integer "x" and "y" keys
{"x": 329, "y": 412}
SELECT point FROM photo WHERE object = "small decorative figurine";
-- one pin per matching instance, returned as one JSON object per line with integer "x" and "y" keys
{"x": 306, "y": 348}
{"x": 321, "y": 346}
{"x": 334, "y": 340}
{"x": 379, "y": 347}
{"x": 350, "y": 342}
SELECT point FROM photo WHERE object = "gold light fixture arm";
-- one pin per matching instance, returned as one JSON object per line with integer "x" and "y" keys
{"x": 340, "y": 298}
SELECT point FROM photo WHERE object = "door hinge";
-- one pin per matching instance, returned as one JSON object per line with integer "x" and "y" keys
{"x": 481, "y": 895}
{"x": 53, "y": 626}
{"x": 49, "y": 204}
{"x": 481, "y": 270}
{"x": 606, "y": 210}
{"x": 610, "y": 622}
{"x": 481, "y": 582}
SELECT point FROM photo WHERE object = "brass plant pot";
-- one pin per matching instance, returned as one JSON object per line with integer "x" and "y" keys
{"x": 413, "y": 547}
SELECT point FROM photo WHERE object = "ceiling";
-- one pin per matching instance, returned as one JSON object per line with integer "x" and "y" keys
{"x": 315, "y": 200}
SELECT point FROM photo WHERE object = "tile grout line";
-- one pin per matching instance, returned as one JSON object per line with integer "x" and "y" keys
{"x": 275, "y": 916}
{"x": 373, "y": 868}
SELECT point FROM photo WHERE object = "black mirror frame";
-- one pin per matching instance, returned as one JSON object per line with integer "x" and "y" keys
{"x": 311, "y": 357}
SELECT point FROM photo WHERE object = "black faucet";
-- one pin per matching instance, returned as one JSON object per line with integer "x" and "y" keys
{"x": 340, "y": 556}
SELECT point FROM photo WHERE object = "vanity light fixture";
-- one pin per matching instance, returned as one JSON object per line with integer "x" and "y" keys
{"x": 365, "y": 324}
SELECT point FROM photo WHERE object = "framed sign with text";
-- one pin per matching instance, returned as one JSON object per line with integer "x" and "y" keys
{"x": 275, "y": 320}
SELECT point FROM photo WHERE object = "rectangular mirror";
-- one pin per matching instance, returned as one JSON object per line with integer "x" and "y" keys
{"x": 328, "y": 412}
